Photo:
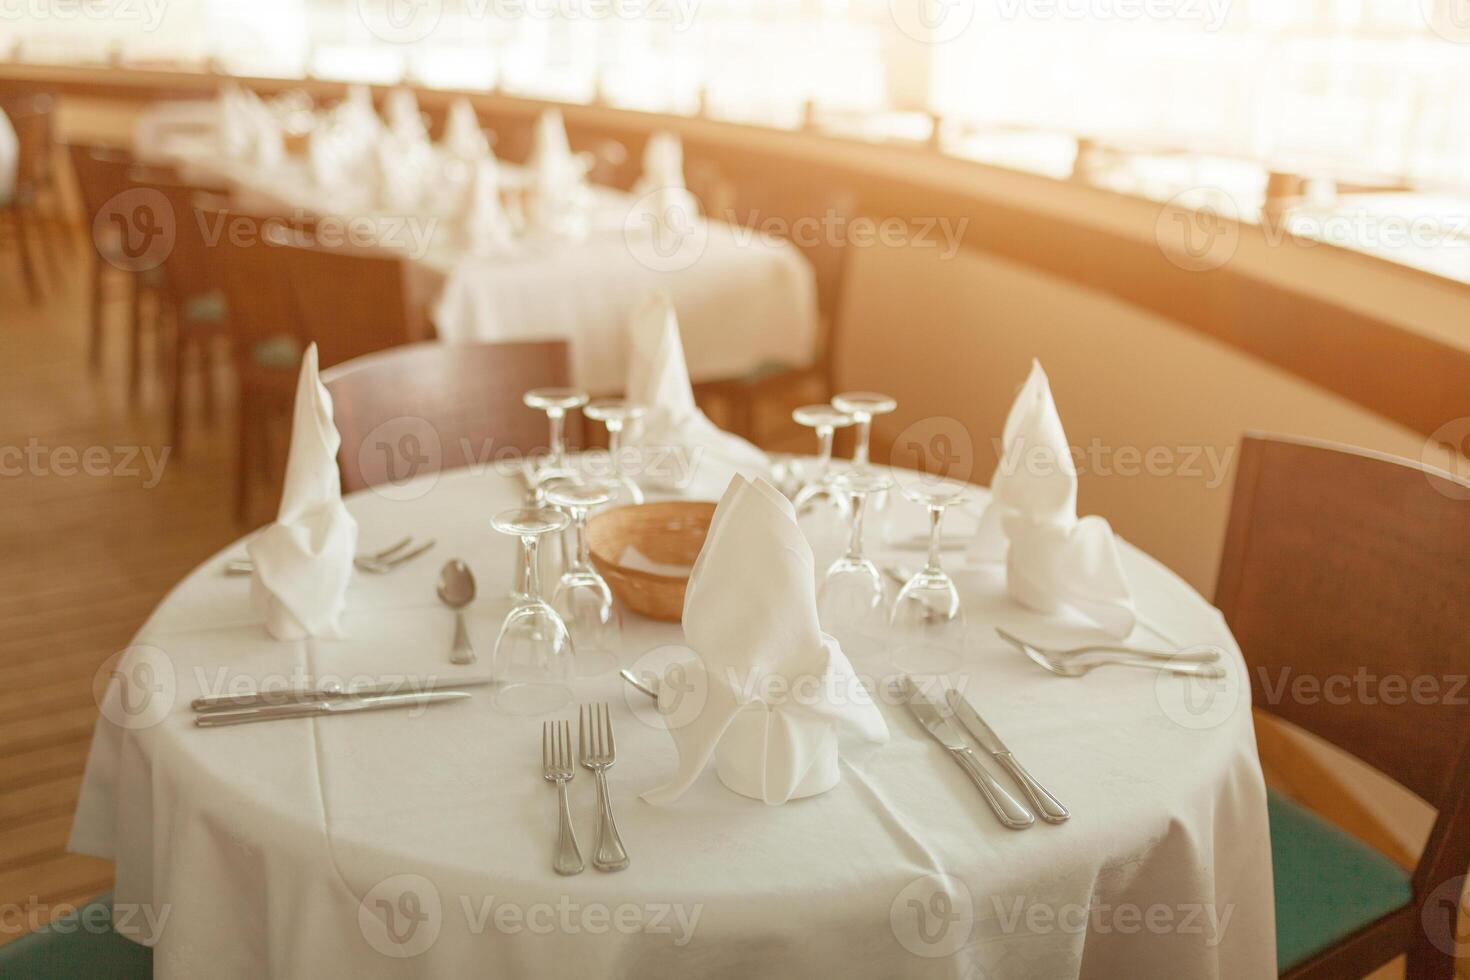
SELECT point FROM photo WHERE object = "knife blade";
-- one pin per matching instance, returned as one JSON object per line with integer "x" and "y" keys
{"x": 340, "y": 706}
{"x": 1048, "y": 806}
{"x": 1008, "y": 809}
{"x": 254, "y": 699}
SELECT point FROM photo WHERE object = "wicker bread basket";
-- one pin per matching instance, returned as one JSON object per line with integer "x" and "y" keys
{"x": 669, "y": 532}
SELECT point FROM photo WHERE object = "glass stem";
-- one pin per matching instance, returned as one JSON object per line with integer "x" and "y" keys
{"x": 860, "y": 450}
{"x": 936, "y": 518}
{"x": 558, "y": 439}
{"x": 530, "y": 572}
{"x": 579, "y": 529}
{"x": 824, "y": 451}
{"x": 855, "y": 536}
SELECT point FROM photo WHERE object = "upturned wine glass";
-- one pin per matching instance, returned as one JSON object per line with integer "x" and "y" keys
{"x": 850, "y": 597}
{"x": 862, "y": 406}
{"x": 928, "y": 621}
{"x": 616, "y": 414}
{"x": 555, "y": 402}
{"x": 582, "y": 597}
{"x": 826, "y": 420}
{"x": 534, "y": 661}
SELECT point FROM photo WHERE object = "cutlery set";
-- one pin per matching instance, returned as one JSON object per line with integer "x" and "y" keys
{"x": 378, "y": 563}
{"x": 597, "y": 751}
{"x": 1010, "y": 811}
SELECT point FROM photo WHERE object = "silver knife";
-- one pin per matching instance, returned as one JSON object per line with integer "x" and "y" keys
{"x": 343, "y": 706}
{"x": 1011, "y": 811}
{"x": 1049, "y": 807}
{"x": 255, "y": 699}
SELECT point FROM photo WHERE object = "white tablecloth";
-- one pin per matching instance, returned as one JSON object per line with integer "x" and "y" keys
{"x": 744, "y": 300}
{"x": 281, "y": 849}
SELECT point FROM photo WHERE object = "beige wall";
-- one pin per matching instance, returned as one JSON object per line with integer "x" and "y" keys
{"x": 954, "y": 337}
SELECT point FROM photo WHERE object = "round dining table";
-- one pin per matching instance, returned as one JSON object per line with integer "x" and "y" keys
{"x": 415, "y": 843}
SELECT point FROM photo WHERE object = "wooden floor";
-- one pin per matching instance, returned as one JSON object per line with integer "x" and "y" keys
{"x": 83, "y": 559}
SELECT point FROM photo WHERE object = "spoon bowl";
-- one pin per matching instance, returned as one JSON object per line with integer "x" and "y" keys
{"x": 457, "y": 590}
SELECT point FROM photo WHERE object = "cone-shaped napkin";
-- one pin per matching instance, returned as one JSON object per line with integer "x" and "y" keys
{"x": 1053, "y": 560}
{"x": 663, "y": 164}
{"x": 750, "y": 614}
{"x": 560, "y": 196}
{"x": 404, "y": 120}
{"x": 487, "y": 227}
{"x": 658, "y": 379}
{"x": 463, "y": 137}
{"x": 304, "y": 560}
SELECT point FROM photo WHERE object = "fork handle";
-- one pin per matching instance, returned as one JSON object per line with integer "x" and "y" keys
{"x": 1206, "y": 655}
{"x": 568, "y": 857}
{"x": 1207, "y": 670}
{"x": 610, "y": 856}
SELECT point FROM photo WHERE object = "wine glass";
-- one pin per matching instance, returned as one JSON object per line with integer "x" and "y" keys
{"x": 826, "y": 420}
{"x": 862, "y": 406}
{"x": 534, "y": 653}
{"x": 555, "y": 402}
{"x": 850, "y": 598}
{"x": 928, "y": 622}
{"x": 582, "y": 597}
{"x": 615, "y": 414}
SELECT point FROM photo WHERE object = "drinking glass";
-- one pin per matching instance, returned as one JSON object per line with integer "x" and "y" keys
{"x": 582, "y": 597}
{"x": 850, "y": 598}
{"x": 928, "y": 622}
{"x": 862, "y": 406}
{"x": 533, "y": 654}
{"x": 555, "y": 402}
{"x": 615, "y": 414}
{"x": 826, "y": 420}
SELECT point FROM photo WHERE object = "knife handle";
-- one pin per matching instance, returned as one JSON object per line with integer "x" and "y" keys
{"x": 1011, "y": 811}
{"x": 1049, "y": 807}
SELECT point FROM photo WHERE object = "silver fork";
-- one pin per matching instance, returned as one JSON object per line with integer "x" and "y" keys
{"x": 377, "y": 563}
{"x": 598, "y": 753}
{"x": 557, "y": 767}
{"x": 1204, "y": 654}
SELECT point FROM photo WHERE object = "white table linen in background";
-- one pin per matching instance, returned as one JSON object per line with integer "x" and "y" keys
{"x": 9, "y": 157}
{"x": 744, "y": 300}
{"x": 265, "y": 842}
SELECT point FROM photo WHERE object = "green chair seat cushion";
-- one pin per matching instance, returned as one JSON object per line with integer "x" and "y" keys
{"x": 82, "y": 944}
{"x": 205, "y": 308}
{"x": 1329, "y": 884}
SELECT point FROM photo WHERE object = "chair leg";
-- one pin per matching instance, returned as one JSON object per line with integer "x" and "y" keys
{"x": 27, "y": 261}
{"x": 176, "y": 409}
{"x": 245, "y": 425}
{"x": 97, "y": 272}
{"x": 45, "y": 232}
{"x": 135, "y": 338}
{"x": 206, "y": 370}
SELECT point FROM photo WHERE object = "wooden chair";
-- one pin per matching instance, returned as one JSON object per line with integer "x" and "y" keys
{"x": 432, "y": 406}
{"x": 1337, "y": 562}
{"x": 31, "y": 119}
{"x": 793, "y": 208}
{"x": 102, "y": 174}
{"x": 193, "y": 301}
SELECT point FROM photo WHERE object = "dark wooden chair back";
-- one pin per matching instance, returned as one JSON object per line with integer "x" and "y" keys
{"x": 351, "y": 302}
{"x": 252, "y": 272}
{"x": 432, "y": 406}
{"x": 1352, "y": 570}
{"x": 189, "y": 267}
{"x": 101, "y": 174}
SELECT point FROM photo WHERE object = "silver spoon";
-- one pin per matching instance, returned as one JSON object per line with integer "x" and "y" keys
{"x": 457, "y": 590}
{"x": 1076, "y": 668}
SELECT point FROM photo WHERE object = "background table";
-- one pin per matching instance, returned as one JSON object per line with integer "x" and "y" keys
{"x": 744, "y": 300}
{"x": 277, "y": 848}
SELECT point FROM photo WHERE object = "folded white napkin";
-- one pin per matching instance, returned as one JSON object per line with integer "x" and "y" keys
{"x": 463, "y": 137}
{"x": 406, "y": 167}
{"x": 248, "y": 129}
{"x": 658, "y": 379}
{"x": 1053, "y": 559}
{"x": 663, "y": 164}
{"x": 356, "y": 113}
{"x": 487, "y": 227}
{"x": 304, "y": 560}
{"x": 750, "y": 615}
{"x": 404, "y": 119}
{"x": 559, "y": 199}
{"x": 9, "y": 157}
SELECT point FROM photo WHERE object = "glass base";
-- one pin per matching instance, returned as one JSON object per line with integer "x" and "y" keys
{"x": 532, "y": 699}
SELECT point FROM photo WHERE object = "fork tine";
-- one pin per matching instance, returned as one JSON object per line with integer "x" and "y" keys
{"x": 582, "y": 745}
{"x": 612, "y": 745}
{"x": 566, "y": 741}
{"x": 545, "y": 746}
